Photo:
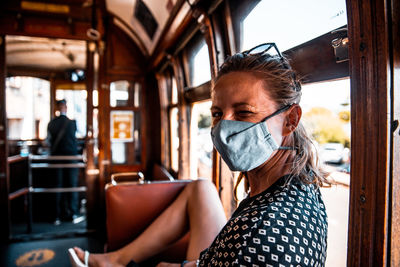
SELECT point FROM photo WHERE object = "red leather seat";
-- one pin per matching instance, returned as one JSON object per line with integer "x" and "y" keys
{"x": 132, "y": 206}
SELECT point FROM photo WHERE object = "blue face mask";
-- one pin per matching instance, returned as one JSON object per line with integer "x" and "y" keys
{"x": 245, "y": 145}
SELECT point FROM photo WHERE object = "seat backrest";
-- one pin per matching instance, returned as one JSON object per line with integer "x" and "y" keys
{"x": 131, "y": 207}
{"x": 160, "y": 173}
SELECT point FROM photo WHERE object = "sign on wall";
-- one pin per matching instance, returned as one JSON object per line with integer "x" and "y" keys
{"x": 121, "y": 126}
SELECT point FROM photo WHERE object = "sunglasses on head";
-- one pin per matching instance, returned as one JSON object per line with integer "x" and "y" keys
{"x": 263, "y": 49}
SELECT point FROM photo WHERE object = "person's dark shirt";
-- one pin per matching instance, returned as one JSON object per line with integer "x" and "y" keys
{"x": 68, "y": 143}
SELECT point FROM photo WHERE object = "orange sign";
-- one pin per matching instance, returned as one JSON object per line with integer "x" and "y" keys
{"x": 121, "y": 126}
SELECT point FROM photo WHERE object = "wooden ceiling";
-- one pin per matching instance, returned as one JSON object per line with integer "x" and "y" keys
{"x": 144, "y": 21}
{"x": 45, "y": 53}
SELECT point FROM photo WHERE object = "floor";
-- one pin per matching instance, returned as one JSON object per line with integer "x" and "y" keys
{"x": 47, "y": 244}
{"x": 46, "y": 252}
{"x": 47, "y": 230}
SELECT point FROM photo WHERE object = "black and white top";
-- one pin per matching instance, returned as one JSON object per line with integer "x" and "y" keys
{"x": 286, "y": 225}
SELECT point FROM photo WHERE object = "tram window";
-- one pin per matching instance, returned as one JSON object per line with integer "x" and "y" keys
{"x": 287, "y": 23}
{"x": 201, "y": 143}
{"x": 31, "y": 121}
{"x": 326, "y": 116}
{"x": 76, "y": 103}
{"x": 174, "y": 92}
{"x": 119, "y": 93}
{"x": 125, "y": 137}
{"x": 198, "y": 59}
{"x": 174, "y": 137}
{"x": 95, "y": 96}
{"x": 96, "y": 131}
{"x": 136, "y": 95}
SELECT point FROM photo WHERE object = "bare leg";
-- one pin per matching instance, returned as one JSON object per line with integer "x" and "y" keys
{"x": 197, "y": 207}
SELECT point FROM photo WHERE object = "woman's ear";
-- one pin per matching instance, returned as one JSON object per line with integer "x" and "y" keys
{"x": 292, "y": 119}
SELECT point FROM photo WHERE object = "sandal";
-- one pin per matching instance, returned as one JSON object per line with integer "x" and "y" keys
{"x": 75, "y": 261}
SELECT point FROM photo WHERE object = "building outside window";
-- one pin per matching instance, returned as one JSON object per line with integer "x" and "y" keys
{"x": 28, "y": 107}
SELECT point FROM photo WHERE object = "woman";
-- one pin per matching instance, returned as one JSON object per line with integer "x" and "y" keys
{"x": 256, "y": 130}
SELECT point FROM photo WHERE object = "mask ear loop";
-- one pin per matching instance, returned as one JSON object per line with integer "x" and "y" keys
{"x": 279, "y": 111}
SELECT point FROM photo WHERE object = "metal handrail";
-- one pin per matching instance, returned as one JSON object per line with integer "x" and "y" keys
{"x": 58, "y": 190}
{"x": 57, "y": 157}
{"x": 125, "y": 174}
{"x": 57, "y": 165}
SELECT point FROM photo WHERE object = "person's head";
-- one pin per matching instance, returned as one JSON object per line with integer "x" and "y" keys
{"x": 61, "y": 106}
{"x": 250, "y": 87}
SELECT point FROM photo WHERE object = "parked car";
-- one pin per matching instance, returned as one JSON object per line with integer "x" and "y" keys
{"x": 332, "y": 153}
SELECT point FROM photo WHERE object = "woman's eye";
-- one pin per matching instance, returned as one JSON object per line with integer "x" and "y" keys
{"x": 244, "y": 112}
{"x": 216, "y": 114}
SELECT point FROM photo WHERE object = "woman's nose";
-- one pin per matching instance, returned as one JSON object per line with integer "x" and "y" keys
{"x": 227, "y": 116}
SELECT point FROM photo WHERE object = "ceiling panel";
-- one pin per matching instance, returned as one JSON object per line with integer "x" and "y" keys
{"x": 45, "y": 53}
{"x": 159, "y": 9}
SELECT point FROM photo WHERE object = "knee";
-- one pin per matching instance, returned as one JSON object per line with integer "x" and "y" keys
{"x": 202, "y": 187}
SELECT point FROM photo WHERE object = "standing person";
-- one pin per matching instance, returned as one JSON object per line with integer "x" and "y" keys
{"x": 61, "y": 135}
{"x": 257, "y": 131}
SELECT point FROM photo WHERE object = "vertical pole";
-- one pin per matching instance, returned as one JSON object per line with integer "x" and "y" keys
{"x": 4, "y": 181}
{"x": 89, "y": 107}
{"x": 90, "y": 173}
{"x": 29, "y": 225}
{"x": 395, "y": 135}
{"x": 369, "y": 59}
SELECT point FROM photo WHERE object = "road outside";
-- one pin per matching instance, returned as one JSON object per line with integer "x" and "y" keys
{"x": 336, "y": 200}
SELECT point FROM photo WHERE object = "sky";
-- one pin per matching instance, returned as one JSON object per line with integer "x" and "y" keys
{"x": 330, "y": 95}
{"x": 291, "y": 22}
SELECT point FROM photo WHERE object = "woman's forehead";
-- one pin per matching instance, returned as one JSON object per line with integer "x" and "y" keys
{"x": 239, "y": 87}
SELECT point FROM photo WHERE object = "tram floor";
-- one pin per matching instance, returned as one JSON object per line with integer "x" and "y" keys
{"x": 47, "y": 229}
{"x": 45, "y": 252}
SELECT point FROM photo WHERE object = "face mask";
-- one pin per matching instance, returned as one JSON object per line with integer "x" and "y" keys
{"x": 245, "y": 145}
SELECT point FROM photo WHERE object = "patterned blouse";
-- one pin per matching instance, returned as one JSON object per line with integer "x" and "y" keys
{"x": 286, "y": 225}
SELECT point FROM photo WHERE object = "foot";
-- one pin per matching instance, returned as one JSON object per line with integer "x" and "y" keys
{"x": 99, "y": 260}
{"x": 77, "y": 219}
{"x": 57, "y": 221}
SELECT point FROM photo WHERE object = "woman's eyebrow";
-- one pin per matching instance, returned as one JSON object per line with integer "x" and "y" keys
{"x": 242, "y": 104}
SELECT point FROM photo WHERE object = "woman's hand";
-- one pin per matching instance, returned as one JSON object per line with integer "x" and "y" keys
{"x": 166, "y": 264}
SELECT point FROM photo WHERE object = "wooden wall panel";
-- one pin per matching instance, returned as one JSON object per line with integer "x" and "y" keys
{"x": 4, "y": 204}
{"x": 41, "y": 26}
{"x": 315, "y": 61}
{"x": 395, "y": 213}
{"x": 370, "y": 131}
{"x": 123, "y": 56}
{"x": 152, "y": 119}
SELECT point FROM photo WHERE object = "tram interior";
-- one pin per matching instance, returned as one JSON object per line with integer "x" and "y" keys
{"x": 136, "y": 76}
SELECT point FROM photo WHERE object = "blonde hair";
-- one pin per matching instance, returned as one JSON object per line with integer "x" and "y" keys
{"x": 285, "y": 89}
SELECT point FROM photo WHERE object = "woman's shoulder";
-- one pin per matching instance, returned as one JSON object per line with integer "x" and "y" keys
{"x": 287, "y": 192}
